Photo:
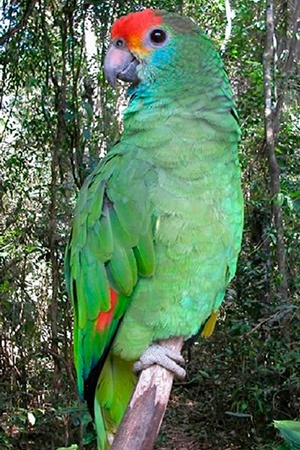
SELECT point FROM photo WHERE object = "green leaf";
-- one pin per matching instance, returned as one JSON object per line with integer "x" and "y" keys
{"x": 290, "y": 431}
{"x": 86, "y": 133}
{"x": 279, "y": 200}
{"x": 290, "y": 203}
{"x": 73, "y": 447}
{"x": 89, "y": 110}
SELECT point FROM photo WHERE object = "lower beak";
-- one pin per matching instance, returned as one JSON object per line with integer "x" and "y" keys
{"x": 120, "y": 64}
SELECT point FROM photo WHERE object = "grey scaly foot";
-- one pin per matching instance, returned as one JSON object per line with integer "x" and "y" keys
{"x": 158, "y": 354}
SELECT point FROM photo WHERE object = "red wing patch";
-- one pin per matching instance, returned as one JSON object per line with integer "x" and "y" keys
{"x": 104, "y": 318}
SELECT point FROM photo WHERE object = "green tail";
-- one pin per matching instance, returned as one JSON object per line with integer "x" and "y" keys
{"x": 114, "y": 389}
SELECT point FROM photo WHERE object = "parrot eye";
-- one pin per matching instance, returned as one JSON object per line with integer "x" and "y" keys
{"x": 119, "y": 43}
{"x": 158, "y": 37}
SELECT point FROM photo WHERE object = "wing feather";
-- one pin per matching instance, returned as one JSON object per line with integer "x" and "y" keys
{"x": 111, "y": 246}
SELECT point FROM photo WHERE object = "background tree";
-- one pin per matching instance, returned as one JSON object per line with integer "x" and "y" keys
{"x": 57, "y": 118}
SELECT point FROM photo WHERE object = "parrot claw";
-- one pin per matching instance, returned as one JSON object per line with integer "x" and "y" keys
{"x": 164, "y": 357}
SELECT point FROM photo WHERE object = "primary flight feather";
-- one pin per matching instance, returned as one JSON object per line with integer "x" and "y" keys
{"x": 158, "y": 224}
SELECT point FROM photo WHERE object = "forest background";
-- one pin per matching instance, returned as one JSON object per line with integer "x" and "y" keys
{"x": 58, "y": 115}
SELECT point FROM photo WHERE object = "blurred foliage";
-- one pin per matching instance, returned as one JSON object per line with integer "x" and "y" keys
{"x": 57, "y": 118}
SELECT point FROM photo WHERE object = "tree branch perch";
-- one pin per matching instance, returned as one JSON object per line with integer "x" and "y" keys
{"x": 146, "y": 409}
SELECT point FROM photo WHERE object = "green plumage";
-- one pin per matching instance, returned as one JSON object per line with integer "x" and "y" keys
{"x": 159, "y": 220}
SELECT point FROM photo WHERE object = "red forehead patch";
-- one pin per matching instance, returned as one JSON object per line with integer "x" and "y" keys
{"x": 133, "y": 27}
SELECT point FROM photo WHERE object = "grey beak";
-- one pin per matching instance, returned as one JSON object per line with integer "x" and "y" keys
{"x": 120, "y": 64}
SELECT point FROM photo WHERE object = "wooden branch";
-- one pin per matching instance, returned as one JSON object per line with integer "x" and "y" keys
{"x": 6, "y": 36}
{"x": 147, "y": 406}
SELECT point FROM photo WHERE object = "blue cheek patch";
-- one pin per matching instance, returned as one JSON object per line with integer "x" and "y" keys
{"x": 156, "y": 62}
{"x": 162, "y": 56}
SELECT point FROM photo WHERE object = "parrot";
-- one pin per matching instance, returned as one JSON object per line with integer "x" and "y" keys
{"x": 157, "y": 226}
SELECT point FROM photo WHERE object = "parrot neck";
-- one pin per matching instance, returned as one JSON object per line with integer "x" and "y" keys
{"x": 178, "y": 124}
{"x": 199, "y": 110}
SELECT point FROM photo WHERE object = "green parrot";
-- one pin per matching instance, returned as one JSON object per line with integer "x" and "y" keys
{"x": 158, "y": 223}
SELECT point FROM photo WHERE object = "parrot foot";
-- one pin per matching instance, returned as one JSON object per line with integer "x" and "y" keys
{"x": 157, "y": 354}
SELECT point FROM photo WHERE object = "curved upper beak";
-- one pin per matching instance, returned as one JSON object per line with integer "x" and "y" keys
{"x": 120, "y": 64}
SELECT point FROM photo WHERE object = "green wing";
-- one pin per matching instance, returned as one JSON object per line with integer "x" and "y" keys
{"x": 111, "y": 246}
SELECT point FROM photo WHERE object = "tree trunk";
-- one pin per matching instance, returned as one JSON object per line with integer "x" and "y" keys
{"x": 270, "y": 150}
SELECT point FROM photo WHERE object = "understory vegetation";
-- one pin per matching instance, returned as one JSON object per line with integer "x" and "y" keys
{"x": 58, "y": 116}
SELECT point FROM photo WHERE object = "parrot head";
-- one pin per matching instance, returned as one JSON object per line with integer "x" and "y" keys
{"x": 144, "y": 41}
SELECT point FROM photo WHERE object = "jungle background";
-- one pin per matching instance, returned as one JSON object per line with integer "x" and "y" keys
{"x": 58, "y": 116}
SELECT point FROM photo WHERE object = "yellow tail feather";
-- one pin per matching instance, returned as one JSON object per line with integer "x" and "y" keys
{"x": 210, "y": 325}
